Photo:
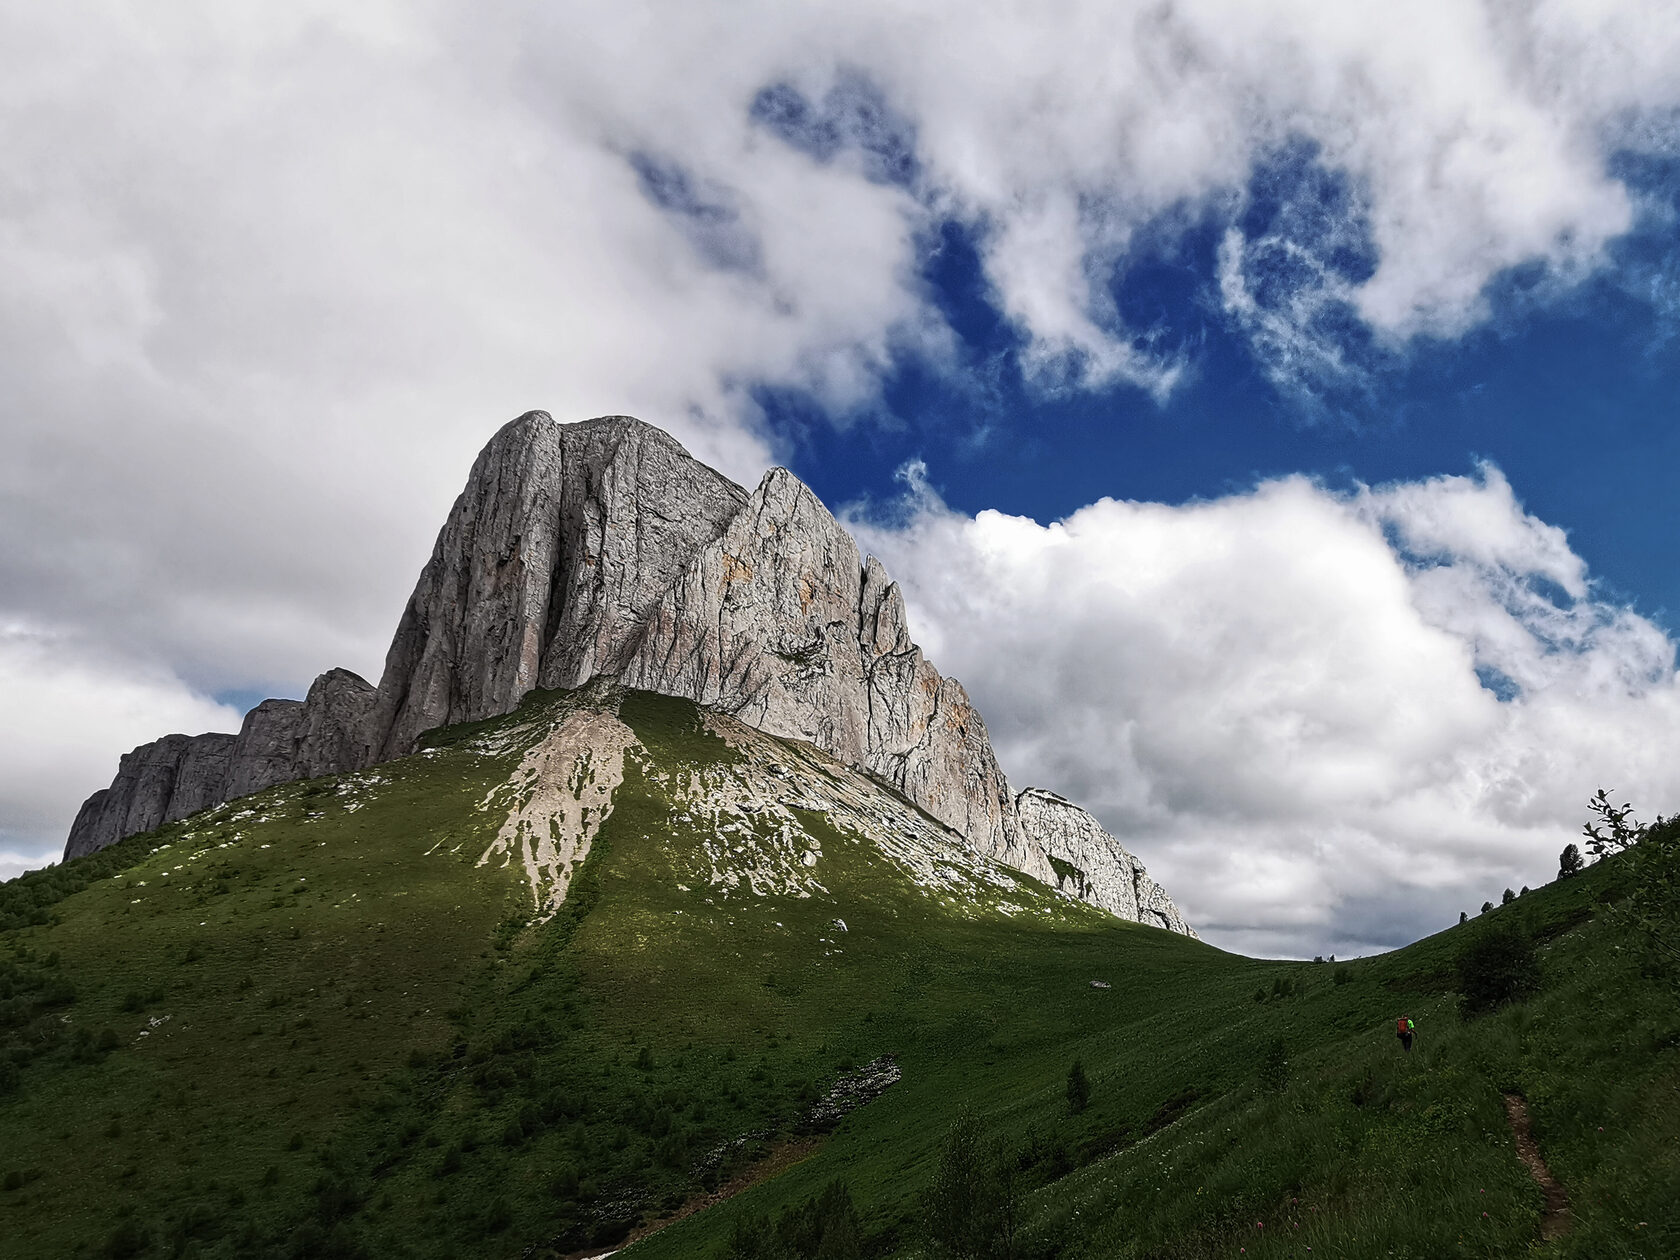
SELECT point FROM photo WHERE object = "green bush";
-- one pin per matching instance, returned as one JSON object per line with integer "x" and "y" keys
{"x": 1078, "y": 1088}
{"x": 969, "y": 1208}
{"x": 1652, "y": 853}
{"x": 127, "y": 1239}
{"x": 451, "y": 1161}
{"x": 823, "y": 1228}
{"x": 1497, "y": 966}
{"x": 1274, "y": 1066}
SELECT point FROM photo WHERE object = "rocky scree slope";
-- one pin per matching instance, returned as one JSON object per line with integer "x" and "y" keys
{"x": 757, "y": 815}
{"x": 602, "y": 549}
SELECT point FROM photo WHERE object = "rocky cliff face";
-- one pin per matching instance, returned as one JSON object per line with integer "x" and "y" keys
{"x": 1092, "y": 865}
{"x": 779, "y": 622}
{"x": 603, "y": 550}
{"x": 177, "y": 775}
{"x": 564, "y": 538}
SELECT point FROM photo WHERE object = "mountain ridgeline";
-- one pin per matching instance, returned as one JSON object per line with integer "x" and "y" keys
{"x": 602, "y": 550}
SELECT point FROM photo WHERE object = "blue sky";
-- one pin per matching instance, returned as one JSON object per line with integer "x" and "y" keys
{"x": 1576, "y": 398}
{"x": 1267, "y": 409}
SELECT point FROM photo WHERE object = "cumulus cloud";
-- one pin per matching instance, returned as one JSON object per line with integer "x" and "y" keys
{"x": 270, "y": 275}
{"x": 1311, "y": 712}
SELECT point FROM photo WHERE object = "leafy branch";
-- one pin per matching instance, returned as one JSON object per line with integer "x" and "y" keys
{"x": 1652, "y": 910}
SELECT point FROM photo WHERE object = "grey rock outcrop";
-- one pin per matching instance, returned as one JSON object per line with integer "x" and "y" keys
{"x": 779, "y": 623}
{"x": 1091, "y": 864}
{"x": 156, "y": 783}
{"x": 178, "y": 775}
{"x": 604, "y": 550}
{"x": 564, "y": 538}
{"x": 333, "y": 731}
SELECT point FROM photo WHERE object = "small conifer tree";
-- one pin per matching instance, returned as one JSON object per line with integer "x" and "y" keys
{"x": 1078, "y": 1088}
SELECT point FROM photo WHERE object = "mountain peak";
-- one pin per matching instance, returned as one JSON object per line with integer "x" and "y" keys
{"x": 602, "y": 549}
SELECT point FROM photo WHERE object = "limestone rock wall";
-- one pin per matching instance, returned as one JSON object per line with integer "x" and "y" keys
{"x": 604, "y": 550}
{"x": 178, "y": 775}
{"x": 1091, "y": 864}
{"x": 563, "y": 538}
{"x": 156, "y": 783}
{"x": 780, "y": 623}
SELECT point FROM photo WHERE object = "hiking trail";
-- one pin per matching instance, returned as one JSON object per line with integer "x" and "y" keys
{"x": 1554, "y": 1222}
{"x": 783, "y": 1156}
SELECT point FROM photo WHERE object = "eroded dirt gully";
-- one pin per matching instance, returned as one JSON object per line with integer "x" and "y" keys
{"x": 1554, "y": 1223}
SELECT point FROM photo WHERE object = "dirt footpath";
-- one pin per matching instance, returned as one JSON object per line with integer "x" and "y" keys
{"x": 1555, "y": 1222}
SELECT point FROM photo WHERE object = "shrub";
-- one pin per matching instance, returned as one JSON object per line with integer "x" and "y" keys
{"x": 1569, "y": 861}
{"x": 1274, "y": 1066}
{"x": 1486, "y": 906}
{"x": 497, "y": 1215}
{"x": 1497, "y": 966}
{"x": 1078, "y": 1088}
{"x": 823, "y": 1228}
{"x": 1507, "y": 897}
{"x": 1343, "y": 974}
{"x": 127, "y": 1239}
{"x": 1652, "y": 912}
{"x": 968, "y": 1210}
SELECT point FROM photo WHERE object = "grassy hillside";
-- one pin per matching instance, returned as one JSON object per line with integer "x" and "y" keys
{"x": 309, "y": 1024}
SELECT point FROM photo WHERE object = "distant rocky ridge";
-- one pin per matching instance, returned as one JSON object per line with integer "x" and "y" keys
{"x": 602, "y": 549}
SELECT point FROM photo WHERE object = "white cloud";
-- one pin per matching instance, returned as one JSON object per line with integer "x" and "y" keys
{"x": 1273, "y": 697}
{"x": 65, "y": 717}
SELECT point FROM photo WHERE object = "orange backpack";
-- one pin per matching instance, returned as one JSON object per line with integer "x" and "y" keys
{"x": 1402, "y": 1026}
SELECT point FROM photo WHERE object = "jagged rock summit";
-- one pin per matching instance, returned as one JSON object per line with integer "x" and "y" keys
{"x": 603, "y": 550}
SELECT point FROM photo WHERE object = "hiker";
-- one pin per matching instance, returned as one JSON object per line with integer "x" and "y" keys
{"x": 1403, "y": 1029}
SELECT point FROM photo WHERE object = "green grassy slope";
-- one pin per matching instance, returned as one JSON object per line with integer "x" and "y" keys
{"x": 354, "y": 1044}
